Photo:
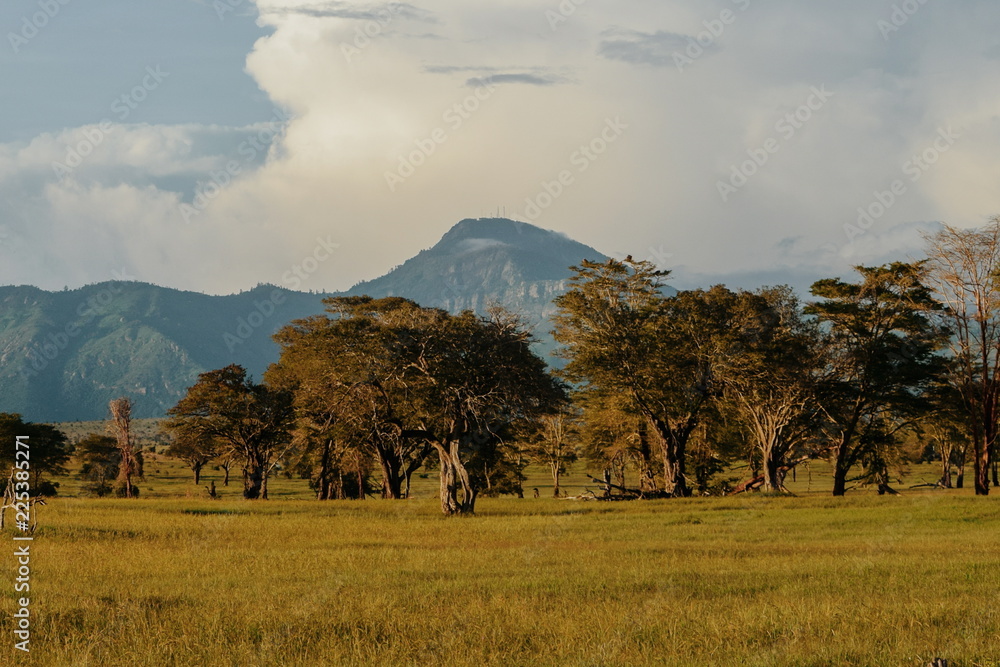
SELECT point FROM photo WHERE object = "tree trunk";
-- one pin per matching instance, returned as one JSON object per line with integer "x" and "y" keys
{"x": 253, "y": 480}
{"x": 773, "y": 481}
{"x": 324, "y": 487}
{"x": 555, "y": 479}
{"x": 840, "y": 469}
{"x": 453, "y": 477}
{"x": 392, "y": 483}
{"x": 981, "y": 468}
{"x": 673, "y": 442}
{"x": 197, "y": 472}
{"x": 121, "y": 426}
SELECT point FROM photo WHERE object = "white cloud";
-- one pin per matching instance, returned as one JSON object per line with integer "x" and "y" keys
{"x": 364, "y": 101}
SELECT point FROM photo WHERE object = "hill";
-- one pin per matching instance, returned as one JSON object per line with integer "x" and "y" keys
{"x": 64, "y": 355}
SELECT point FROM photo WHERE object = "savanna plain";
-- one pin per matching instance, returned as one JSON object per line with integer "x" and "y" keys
{"x": 175, "y": 578}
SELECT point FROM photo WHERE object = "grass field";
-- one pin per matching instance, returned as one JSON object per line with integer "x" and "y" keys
{"x": 759, "y": 580}
{"x": 177, "y": 579}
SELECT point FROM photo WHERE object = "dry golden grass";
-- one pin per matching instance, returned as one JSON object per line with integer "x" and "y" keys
{"x": 746, "y": 581}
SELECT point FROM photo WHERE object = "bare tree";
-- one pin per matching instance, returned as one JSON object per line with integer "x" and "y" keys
{"x": 121, "y": 428}
{"x": 554, "y": 444}
{"x": 963, "y": 268}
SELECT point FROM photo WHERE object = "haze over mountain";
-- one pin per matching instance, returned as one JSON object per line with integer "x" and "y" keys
{"x": 64, "y": 355}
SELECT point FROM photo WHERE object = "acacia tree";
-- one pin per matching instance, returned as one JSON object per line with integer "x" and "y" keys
{"x": 946, "y": 426}
{"x": 194, "y": 449}
{"x": 554, "y": 444}
{"x": 622, "y": 336}
{"x": 615, "y": 438}
{"x": 964, "y": 266}
{"x": 120, "y": 428}
{"x": 397, "y": 380}
{"x": 350, "y": 388}
{"x": 49, "y": 450}
{"x": 100, "y": 460}
{"x": 251, "y": 419}
{"x": 477, "y": 381}
{"x": 770, "y": 361}
{"x": 881, "y": 361}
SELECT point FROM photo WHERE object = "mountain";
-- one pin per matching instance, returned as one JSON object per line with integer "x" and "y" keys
{"x": 487, "y": 261}
{"x": 64, "y": 355}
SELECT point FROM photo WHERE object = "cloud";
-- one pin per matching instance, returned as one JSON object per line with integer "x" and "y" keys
{"x": 403, "y": 106}
{"x": 533, "y": 76}
{"x": 475, "y": 245}
{"x": 529, "y": 79}
{"x": 383, "y": 13}
{"x": 644, "y": 48}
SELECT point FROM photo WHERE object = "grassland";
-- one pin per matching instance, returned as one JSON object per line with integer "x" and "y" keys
{"x": 177, "y": 579}
{"x": 863, "y": 580}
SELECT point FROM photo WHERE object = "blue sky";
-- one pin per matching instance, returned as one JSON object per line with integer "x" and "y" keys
{"x": 733, "y": 141}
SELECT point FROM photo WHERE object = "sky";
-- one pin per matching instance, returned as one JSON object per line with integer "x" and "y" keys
{"x": 212, "y": 145}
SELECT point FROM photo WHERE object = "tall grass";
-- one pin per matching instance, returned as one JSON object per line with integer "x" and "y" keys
{"x": 745, "y": 581}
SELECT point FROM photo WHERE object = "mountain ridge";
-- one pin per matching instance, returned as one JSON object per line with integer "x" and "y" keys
{"x": 65, "y": 354}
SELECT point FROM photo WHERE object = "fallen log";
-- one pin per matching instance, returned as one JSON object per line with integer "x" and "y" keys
{"x": 758, "y": 481}
{"x": 633, "y": 492}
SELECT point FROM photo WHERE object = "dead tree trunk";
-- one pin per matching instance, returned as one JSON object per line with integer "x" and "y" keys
{"x": 121, "y": 428}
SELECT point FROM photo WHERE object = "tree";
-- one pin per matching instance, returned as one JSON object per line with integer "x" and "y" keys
{"x": 947, "y": 427}
{"x": 622, "y": 336}
{"x": 477, "y": 382}
{"x": 615, "y": 438}
{"x": 350, "y": 389}
{"x": 395, "y": 380}
{"x": 252, "y": 421}
{"x": 121, "y": 428}
{"x": 49, "y": 449}
{"x": 554, "y": 444}
{"x": 881, "y": 361}
{"x": 195, "y": 450}
{"x": 963, "y": 270}
{"x": 771, "y": 357}
{"x": 100, "y": 462}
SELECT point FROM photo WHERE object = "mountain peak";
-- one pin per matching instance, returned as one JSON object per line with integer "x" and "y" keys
{"x": 479, "y": 260}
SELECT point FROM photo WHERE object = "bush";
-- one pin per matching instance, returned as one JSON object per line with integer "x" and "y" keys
{"x": 47, "y": 489}
{"x": 99, "y": 489}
